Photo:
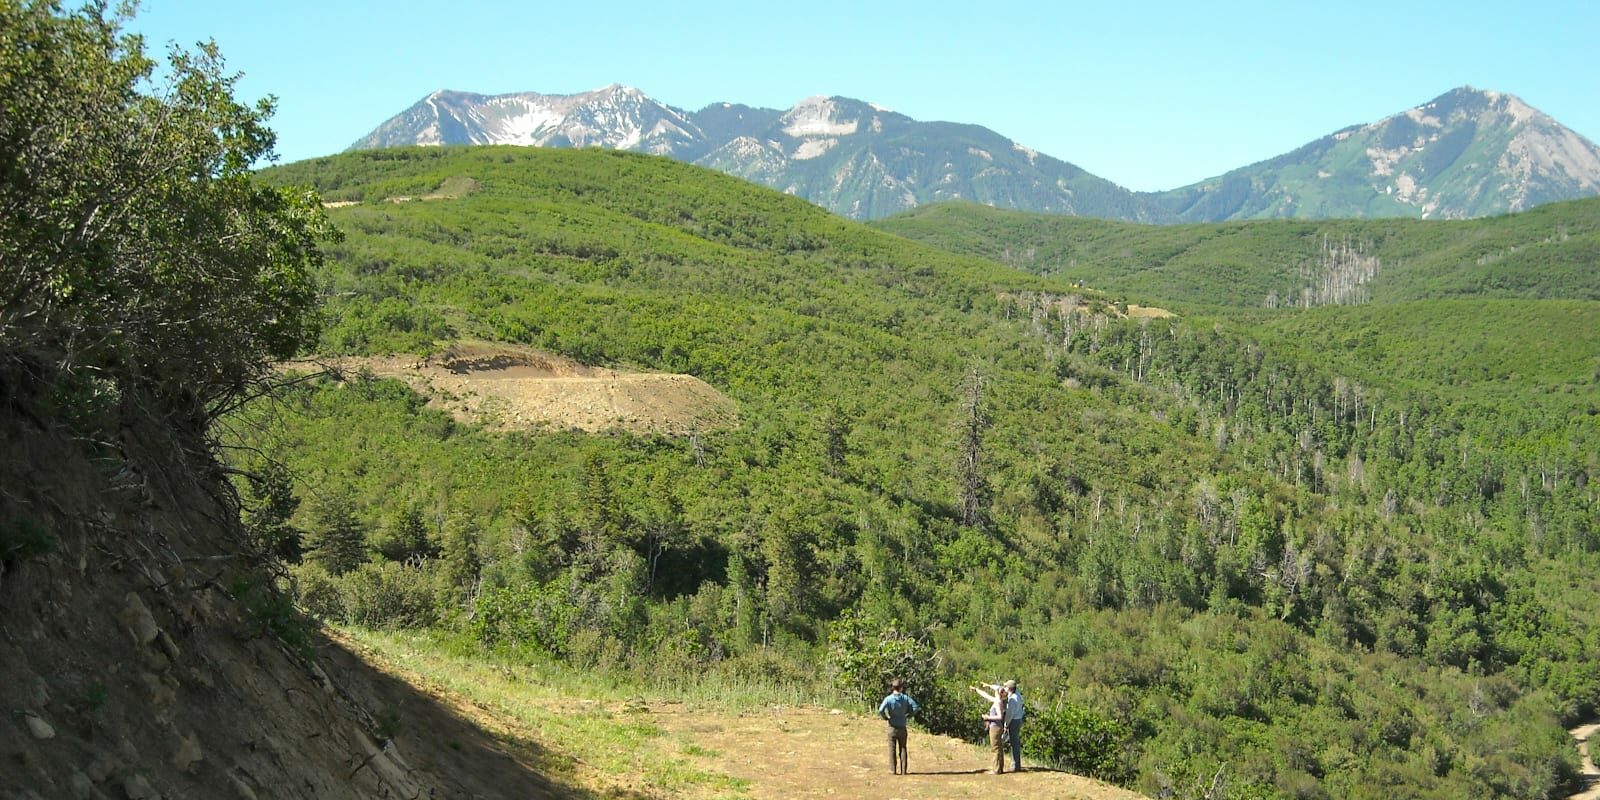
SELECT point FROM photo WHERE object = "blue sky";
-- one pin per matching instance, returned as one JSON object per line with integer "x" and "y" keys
{"x": 1151, "y": 95}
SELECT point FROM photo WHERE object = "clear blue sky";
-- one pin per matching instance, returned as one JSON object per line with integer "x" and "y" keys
{"x": 1151, "y": 95}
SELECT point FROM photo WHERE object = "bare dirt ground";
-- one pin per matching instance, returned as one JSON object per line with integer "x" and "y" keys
{"x": 1148, "y": 312}
{"x": 507, "y": 388}
{"x": 775, "y": 753}
{"x": 1591, "y": 774}
{"x": 789, "y": 753}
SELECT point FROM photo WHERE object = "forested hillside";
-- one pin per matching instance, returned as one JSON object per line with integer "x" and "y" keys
{"x": 1299, "y": 553}
{"x": 1548, "y": 252}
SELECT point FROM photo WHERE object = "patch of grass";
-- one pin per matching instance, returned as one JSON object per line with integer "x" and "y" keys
{"x": 590, "y": 735}
{"x": 274, "y": 612}
{"x": 94, "y": 696}
{"x": 24, "y": 537}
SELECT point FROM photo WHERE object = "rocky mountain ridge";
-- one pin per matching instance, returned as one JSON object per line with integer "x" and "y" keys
{"x": 1466, "y": 153}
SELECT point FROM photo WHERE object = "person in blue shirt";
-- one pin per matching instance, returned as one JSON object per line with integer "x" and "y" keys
{"x": 896, "y": 708}
{"x": 1015, "y": 711}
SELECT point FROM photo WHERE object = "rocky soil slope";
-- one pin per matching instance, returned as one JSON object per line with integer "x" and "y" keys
{"x": 139, "y": 658}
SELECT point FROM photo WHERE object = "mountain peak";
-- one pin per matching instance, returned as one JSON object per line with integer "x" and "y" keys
{"x": 1468, "y": 152}
{"x": 819, "y": 116}
{"x": 616, "y": 89}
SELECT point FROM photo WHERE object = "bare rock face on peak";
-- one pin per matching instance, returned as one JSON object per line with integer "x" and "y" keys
{"x": 1466, "y": 153}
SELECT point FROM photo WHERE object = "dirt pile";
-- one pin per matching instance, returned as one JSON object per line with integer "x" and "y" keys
{"x": 139, "y": 660}
{"x": 512, "y": 388}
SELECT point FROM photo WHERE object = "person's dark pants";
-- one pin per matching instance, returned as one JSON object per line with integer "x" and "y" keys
{"x": 898, "y": 763}
{"x": 1014, "y": 731}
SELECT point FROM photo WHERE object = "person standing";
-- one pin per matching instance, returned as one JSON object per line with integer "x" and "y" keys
{"x": 1015, "y": 711}
{"x": 996, "y": 720}
{"x": 896, "y": 708}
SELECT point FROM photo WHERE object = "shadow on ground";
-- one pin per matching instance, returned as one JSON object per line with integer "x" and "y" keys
{"x": 437, "y": 739}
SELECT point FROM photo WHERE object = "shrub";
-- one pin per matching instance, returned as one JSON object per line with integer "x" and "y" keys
{"x": 390, "y": 595}
{"x": 319, "y": 594}
{"x": 532, "y": 613}
{"x": 1078, "y": 740}
{"x": 23, "y": 538}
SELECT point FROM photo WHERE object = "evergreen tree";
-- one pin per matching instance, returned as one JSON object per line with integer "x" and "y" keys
{"x": 338, "y": 537}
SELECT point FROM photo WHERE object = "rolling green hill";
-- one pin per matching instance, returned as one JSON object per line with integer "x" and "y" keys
{"x": 1549, "y": 252}
{"x": 1268, "y": 553}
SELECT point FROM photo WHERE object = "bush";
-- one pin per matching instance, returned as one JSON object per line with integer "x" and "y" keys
{"x": 319, "y": 593}
{"x": 1080, "y": 741}
{"x": 390, "y": 595}
{"x": 528, "y": 613}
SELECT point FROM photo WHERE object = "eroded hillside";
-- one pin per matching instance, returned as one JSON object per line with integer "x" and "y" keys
{"x": 142, "y": 658}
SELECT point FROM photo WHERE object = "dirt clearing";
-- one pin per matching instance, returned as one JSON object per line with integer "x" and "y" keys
{"x": 612, "y": 745}
{"x": 810, "y": 752}
{"x": 513, "y": 388}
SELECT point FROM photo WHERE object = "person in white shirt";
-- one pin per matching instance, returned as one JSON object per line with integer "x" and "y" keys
{"x": 1013, "y": 712}
{"x": 996, "y": 720}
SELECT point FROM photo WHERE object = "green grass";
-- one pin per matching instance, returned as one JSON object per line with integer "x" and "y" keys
{"x": 598, "y": 719}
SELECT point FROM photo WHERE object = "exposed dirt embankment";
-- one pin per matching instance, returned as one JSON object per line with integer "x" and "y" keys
{"x": 507, "y": 387}
{"x": 136, "y": 659}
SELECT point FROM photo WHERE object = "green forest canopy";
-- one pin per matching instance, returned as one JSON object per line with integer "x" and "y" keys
{"x": 1296, "y": 552}
{"x": 1545, "y": 253}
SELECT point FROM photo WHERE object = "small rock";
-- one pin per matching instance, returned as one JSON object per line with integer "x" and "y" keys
{"x": 188, "y": 755}
{"x": 241, "y": 788}
{"x": 203, "y": 678}
{"x": 41, "y": 693}
{"x": 82, "y": 787}
{"x": 38, "y": 727}
{"x": 136, "y": 617}
{"x": 101, "y": 768}
{"x": 156, "y": 660}
{"x": 157, "y": 694}
{"x": 167, "y": 645}
{"x": 137, "y": 788}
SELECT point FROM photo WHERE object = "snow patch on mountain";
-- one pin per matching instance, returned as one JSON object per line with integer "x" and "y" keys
{"x": 526, "y": 127}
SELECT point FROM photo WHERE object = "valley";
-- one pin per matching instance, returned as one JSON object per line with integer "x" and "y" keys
{"x": 577, "y": 470}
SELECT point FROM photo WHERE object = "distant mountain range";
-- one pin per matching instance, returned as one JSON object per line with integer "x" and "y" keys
{"x": 1466, "y": 153}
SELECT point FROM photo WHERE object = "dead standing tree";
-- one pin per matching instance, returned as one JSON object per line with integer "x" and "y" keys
{"x": 974, "y": 498}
